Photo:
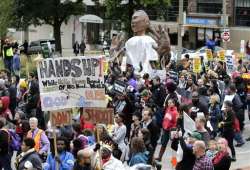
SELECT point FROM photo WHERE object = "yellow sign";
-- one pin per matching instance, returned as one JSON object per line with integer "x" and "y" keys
{"x": 221, "y": 55}
{"x": 196, "y": 65}
{"x": 242, "y": 55}
{"x": 209, "y": 54}
{"x": 105, "y": 67}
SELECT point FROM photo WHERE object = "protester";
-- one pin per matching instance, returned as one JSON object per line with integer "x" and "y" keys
{"x": 227, "y": 126}
{"x": 222, "y": 159}
{"x": 64, "y": 159}
{"x": 118, "y": 135}
{"x": 5, "y": 156}
{"x": 200, "y": 123}
{"x": 108, "y": 161}
{"x": 212, "y": 149}
{"x": 8, "y": 56}
{"x": 28, "y": 159}
{"x": 202, "y": 162}
{"x": 42, "y": 143}
{"x": 150, "y": 124}
{"x": 138, "y": 151}
{"x": 168, "y": 124}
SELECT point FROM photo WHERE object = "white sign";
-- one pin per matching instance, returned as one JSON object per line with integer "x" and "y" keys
{"x": 242, "y": 46}
{"x": 189, "y": 124}
{"x": 229, "y": 63}
{"x": 226, "y": 35}
{"x": 68, "y": 82}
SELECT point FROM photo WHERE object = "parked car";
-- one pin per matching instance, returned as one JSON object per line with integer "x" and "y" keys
{"x": 35, "y": 47}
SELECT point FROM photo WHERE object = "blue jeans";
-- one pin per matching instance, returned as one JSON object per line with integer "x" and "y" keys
{"x": 8, "y": 64}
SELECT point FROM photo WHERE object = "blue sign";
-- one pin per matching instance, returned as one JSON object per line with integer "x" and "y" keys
{"x": 201, "y": 21}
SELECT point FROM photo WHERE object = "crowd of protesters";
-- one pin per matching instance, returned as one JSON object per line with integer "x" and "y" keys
{"x": 150, "y": 113}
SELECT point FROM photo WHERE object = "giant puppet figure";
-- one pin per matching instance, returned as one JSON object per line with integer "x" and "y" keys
{"x": 143, "y": 51}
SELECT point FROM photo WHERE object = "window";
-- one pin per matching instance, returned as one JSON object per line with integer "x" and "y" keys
{"x": 242, "y": 3}
{"x": 211, "y": 6}
{"x": 242, "y": 12}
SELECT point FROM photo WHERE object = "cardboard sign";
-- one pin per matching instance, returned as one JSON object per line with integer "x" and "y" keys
{"x": 60, "y": 118}
{"x": 196, "y": 65}
{"x": 221, "y": 55}
{"x": 68, "y": 82}
{"x": 119, "y": 87}
{"x": 209, "y": 54}
{"x": 99, "y": 115}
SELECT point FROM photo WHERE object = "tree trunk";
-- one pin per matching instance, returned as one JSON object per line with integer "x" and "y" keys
{"x": 57, "y": 36}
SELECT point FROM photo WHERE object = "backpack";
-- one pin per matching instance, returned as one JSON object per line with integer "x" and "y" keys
{"x": 14, "y": 140}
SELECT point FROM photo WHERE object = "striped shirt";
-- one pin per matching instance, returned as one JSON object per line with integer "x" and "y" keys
{"x": 203, "y": 163}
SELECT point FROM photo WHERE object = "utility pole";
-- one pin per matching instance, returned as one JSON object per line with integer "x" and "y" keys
{"x": 225, "y": 21}
{"x": 180, "y": 27}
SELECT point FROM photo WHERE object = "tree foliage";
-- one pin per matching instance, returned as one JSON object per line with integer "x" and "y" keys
{"x": 6, "y": 16}
{"x": 117, "y": 10}
{"x": 51, "y": 12}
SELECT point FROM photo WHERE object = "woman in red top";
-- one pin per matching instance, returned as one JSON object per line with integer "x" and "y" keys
{"x": 169, "y": 122}
{"x": 85, "y": 121}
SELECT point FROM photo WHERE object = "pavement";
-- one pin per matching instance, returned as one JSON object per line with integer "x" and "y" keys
{"x": 69, "y": 52}
{"x": 242, "y": 153}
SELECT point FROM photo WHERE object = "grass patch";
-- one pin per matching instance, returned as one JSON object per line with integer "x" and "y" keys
{"x": 27, "y": 66}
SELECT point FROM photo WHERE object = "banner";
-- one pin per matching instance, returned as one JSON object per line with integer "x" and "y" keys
{"x": 99, "y": 115}
{"x": 209, "y": 54}
{"x": 68, "y": 82}
{"x": 196, "y": 65}
{"x": 221, "y": 55}
{"x": 61, "y": 118}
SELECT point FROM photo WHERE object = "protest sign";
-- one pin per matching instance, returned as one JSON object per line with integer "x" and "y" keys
{"x": 120, "y": 87}
{"x": 221, "y": 55}
{"x": 209, "y": 54}
{"x": 68, "y": 82}
{"x": 229, "y": 64}
{"x": 61, "y": 117}
{"x": 99, "y": 115}
{"x": 196, "y": 65}
{"x": 189, "y": 124}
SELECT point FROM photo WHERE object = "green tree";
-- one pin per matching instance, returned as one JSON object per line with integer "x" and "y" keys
{"x": 51, "y": 12}
{"x": 6, "y": 16}
{"x": 117, "y": 10}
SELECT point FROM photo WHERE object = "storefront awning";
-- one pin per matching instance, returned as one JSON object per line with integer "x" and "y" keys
{"x": 202, "y": 26}
{"x": 91, "y": 19}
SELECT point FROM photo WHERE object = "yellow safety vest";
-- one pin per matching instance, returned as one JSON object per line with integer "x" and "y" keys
{"x": 37, "y": 138}
{"x": 9, "y": 52}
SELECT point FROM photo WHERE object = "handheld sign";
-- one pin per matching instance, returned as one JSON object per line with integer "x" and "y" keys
{"x": 99, "y": 115}
{"x": 61, "y": 117}
{"x": 209, "y": 54}
{"x": 221, "y": 55}
{"x": 120, "y": 87}
{"x": 68, "y": 82}
{"x": 196, "y": 65}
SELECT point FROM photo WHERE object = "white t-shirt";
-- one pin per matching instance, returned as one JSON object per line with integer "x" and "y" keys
{"x": 139, "y": 49}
